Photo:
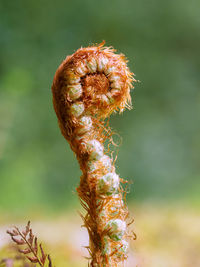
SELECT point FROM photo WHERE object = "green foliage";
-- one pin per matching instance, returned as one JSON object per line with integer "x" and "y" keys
{"x": 160, "y": 150}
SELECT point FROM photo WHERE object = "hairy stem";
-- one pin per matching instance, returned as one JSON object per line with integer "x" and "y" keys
{"x": 88, "y": 86}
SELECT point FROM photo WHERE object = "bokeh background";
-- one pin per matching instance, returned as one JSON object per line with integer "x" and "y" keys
{"x": 161, "y": 135}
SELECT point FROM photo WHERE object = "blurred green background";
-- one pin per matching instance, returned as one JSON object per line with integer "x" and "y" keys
{"x": 161, "y": 135}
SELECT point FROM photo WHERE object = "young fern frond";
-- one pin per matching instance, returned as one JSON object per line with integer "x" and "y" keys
{"x": 87, "y": 87}
{"x": 29, "y": 246}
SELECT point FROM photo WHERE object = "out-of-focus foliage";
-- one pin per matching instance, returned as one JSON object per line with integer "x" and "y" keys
{"x": 160, "y": 149}
{"x": 166, "y": 236}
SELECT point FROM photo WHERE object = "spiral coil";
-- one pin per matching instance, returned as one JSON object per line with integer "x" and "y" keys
{"x": 88, "y": 86}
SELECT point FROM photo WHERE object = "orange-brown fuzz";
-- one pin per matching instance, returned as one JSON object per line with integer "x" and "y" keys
{"x": 98, "y": 81}
{"x": 88, "y": 86}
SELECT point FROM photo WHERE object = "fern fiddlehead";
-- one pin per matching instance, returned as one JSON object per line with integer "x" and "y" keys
{"x": 87, "y": 87}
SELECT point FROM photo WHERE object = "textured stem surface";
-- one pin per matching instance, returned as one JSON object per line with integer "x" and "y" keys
{"x": 88, "y": 86}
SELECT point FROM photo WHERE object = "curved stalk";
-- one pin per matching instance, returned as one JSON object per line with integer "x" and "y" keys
{"x": 88, "y": 86}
